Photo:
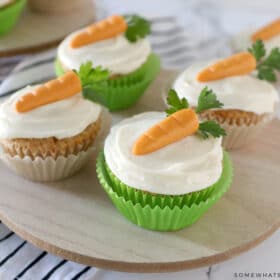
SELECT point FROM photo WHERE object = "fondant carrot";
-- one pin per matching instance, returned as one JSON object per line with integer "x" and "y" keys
{"x": 267, "y": 32}
{"x": 55, "y": 90}
{"x": 238, "y": 64}
{"x": 173, "y": 128}
{"x": 105, "y": 29}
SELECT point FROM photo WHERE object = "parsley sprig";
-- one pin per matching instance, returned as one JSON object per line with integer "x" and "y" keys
{"x": 91, "y": 77}
{"x": 267, "y": 66}
{"x": 207, "y": 100}
{"x": 210, "y": 128}
{"x": 258, "y": 50}
{"x": 175, "y": 103}
{"x": 89, "y": 74}
{"x": 137, "y": 27}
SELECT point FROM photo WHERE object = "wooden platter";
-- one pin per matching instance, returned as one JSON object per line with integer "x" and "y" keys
{"x": 39, "y": 31}
{"x": 76, "y": 220}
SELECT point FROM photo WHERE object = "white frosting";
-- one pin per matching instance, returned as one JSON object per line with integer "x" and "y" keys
{"x": 188, "y": 165}
{"x": 243, "y": 41}
{"x": 118, "y": 55}
{"x": 5, "y": 2}
{"x": 62, "y": 119}
{"x": 244, "y": 92}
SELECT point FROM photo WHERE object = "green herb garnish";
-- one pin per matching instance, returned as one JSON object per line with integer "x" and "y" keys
{"x": 207, "y": 100}
{"x": 137, "y": 27}
{"x": 89, "y": 75}
{"x": 210, "y": 128}
{"x": 175, "y": 103}
{"x": 267, "y": 66}
{"x": 257, "y": 50}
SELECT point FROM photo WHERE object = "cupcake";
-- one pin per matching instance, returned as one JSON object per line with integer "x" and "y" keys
{"x": 47, "y": 132}
{"x": 163, "y": 172}
{"x": 10, "y": 11}
{"x": 265, "y": 45}
{"x": 249, "y": 102}
{"x": 118, "y": 46}
{"x": 269, "y": 34}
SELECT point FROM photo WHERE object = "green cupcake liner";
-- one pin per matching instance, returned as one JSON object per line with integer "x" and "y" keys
{"x": 146, "y": 198}
{"x": 9, "y": 16}
{"x": 162, "y": 212}
{"x": 123, "y": 92}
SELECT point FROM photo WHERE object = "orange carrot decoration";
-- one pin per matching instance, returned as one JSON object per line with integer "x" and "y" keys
{"x": 105, "y": 29}
{"x": 173, "y": 128}
{"x": 238, "y": 64}
{"x": 55, "y": 90}
{"x": 267, "y": 32}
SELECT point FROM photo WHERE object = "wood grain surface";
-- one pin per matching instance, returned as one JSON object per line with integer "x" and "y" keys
{"x": 39, "y": 31}
{"x": 76, "y": 220}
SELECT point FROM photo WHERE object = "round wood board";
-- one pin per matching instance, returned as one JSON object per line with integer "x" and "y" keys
{"x": 76, "y": 220}
{"x": 36, "y": 31}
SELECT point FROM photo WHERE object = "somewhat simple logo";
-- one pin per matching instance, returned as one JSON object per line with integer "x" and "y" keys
{"x": 256, "y": 275}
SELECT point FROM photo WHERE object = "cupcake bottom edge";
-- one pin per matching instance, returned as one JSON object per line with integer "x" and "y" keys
{"x": 47, "y": 169}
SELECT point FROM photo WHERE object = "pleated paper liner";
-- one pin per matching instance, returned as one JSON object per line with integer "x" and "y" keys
{"x": 9, "y": 16}
{"x": 242, "y": 128}
{"x": 159, "y": 212}
{"x": 47, "y": 169}
{"x": 122, "y": 92}
{"x": 144, "y": 198}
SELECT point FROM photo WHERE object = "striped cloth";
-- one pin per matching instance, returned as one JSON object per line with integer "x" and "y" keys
{"x": 177, "y": 47}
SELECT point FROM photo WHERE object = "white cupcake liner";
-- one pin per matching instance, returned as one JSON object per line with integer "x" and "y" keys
{"x": 241, "y": 135}
{"x": 50, "y": 169}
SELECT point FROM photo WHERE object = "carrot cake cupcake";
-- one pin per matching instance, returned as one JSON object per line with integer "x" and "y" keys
{"x": 249, "y": 103}
{"x": 163, "y": 172}
{"x": 269, "y": 34}
{"x": 10, "y": 11}
{"x": 47, "y": 131}
{"x": 118, "y": 46}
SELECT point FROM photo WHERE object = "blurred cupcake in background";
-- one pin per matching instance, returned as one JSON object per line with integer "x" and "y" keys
{"x": 118, "y": 45}
{"x": 269, "y": 34}
{"x": 48, "y": 132}
{"x": 10, "y": 11}
{"x": 250, "y": 103}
